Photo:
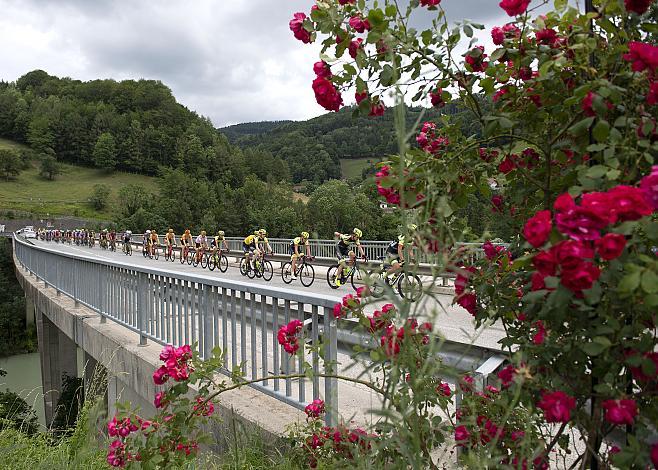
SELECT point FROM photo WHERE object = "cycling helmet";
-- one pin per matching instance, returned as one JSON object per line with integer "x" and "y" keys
{"x": 203, "y": 233}
{"x": 305, "y": 235}
{"x": 357, "y": 232}
{"x": 171, "y": 230}
{"x": 220, "y": 233}
{"x": 129, "y": 232}
{"x": 263, "y": 232}
{"x": 148, "y": 231}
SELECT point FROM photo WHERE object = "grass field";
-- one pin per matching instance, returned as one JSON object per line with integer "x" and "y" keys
{"x": 352, "y": 168}
{"x": 8, "y": 144}
{"x": 68, "y": 193}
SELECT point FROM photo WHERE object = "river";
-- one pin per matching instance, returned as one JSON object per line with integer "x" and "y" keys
{"x": 24, "y": 378}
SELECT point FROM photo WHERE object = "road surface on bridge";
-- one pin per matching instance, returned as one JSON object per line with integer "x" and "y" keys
{"x": 452, "y": 321}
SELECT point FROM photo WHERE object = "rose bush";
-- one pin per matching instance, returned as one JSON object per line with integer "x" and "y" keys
{"x": 565, "y": 147}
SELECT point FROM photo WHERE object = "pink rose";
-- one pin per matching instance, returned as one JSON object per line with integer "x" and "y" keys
{"x": 497, "y": 35}
{"x": 642, "y": 56}
{"x": 557, "y": 406}
{"x": 570, "y": 253}
{"x": 538, "y": 228}
{"x": 545, "y": 263}
{"x": 160, "y": 376}
{"x": 297, "y": 27}
{"x": 629, "y": 203}
{"x": 580, "y": 278}
{"x": 564, "y": 202}
{"x": 359, "y": 24}
{"x": 610, "y": 246}
{"x": 638, "y": 6}
{"x": 354, "y": 47}
{"x": 649, "y": 188}
{"x": 514, "y": 7}
{"x": 620, "y": 411}
{"x": 326, "y": 94}
{"x": 322, "y": 69}
{"x": 461, "y": 434}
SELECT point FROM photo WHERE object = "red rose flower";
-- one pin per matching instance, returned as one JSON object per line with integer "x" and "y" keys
{"x": 360, "y": 96}
{"x": 507, "y": 375}
{"x": 546, "y": 36}
{"x": 437, "y": 98}
{"x": 652, "y": 95}
{"x": 498, "y": 35}
{"x": 642, "y": 56}
{"x": 620, "y": 411}
{"x": 326, "y": 94}
{"x": 514, "y": 7}
{"x": 581, "y": 223}
{"x": 468, "y": 302}
{"x": 610, "y": 246}
{"x": 539, "y": 337}
{"x": 476, "y": 59}
{"x": 429, "y": 3}
{"x": 654, "y": 455}
{"x": 322, "y": 69}
{"x": 377, "y": 109}
{"x": 545, "y": 262}
{"x": 507, "y": 165}
{"x": 359, "y": 24}
{"x": 537, "y": 281}
{"x": 629, "y": 203}
{"x": 461, "y": 434}
{"x": 354, "y": 47}
{"x": 570, "y": 253}
{"x": 297, "y": 27}
{"x": 580, "y": 278}
{"x": 649, "y": 188}
{"x": 538, "y": 228}
{"x": 639, "y": 373}
{"x": 557, "y": 406}
{"x": 638, "y": 6}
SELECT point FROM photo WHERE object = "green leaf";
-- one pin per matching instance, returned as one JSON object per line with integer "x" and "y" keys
{"x": 497, "y": 54}
{"x": 630, "y": 282}
{"x": 386, "y": 76}
{"x": 597, "y": 171}
{"x": 593, "y": 349}
{"x": 650, "y": 27}
{"x": 349, "y": 69}
{"x": 581, "y": 126}
{"x": 468, "y": 31}
{"x": 649, "y": 282}
{"x": 651, "y": 300}
{"x": 426, "y": 37}
{"x": 601, "y": 130}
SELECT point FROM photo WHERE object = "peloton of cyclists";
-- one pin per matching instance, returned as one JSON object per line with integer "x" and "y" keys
{"x": 345, "y": 252}
{"x": 295, "y": 250}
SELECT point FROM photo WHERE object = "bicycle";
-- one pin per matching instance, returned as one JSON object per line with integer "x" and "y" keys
{"x": 246, "y": 269}
{"x": 184, "y": 254}
{"x": 349, "y": 272}
{"x": 169, "y": 253}
{"x": 155, "y": 252}
{"x": 409, "y": 286}
{"x": 113, "y": 245}
{"x": 263, "y": 268}
{"x": 128, "y": 249}
{"x": 201, "y": 259}
{"x": 92, "y": 242}
{"x": 304, "y": 271}
{"x": 103, "y": 244}
{"x": 218, "y": 260}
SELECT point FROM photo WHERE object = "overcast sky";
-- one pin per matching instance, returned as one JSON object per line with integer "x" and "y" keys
{"x": 231, "y": 60}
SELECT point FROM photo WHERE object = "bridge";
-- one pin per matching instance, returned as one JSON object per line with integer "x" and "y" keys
{"x": 117, "y": 312}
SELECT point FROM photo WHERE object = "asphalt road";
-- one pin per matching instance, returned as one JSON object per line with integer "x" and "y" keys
{"x": 451, "y": 320}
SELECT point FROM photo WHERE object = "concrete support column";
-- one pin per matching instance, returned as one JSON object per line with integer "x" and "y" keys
{"x": 29, "y": 311}
{"x": 58, "y": 354}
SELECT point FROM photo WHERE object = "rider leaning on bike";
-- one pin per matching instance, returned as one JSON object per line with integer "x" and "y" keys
{"x": 201, "y": 243}
{"x": 343, "y": 250}
{"x": 170, "y": 240}
{"x": 295, "y": 253}
{"x": 154, "y": 241}
{"x": 250, "y": 245}
{"x": 395, "y": 252}
{"x": 218, "y": 240}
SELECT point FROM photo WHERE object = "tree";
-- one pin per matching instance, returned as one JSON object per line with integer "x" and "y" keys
{"x": 40, "y": 134}
{"x": 10, "y": 164}
{"x": 99, "y": 196}
{"x": 49, "y": 167}
{"x": 132, "y": 197}
{"x": 105, "y": 152}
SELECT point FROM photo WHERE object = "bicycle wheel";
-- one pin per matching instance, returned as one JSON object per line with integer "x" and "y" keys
{"x": 191, "y": 255}
{"x": 223, "y": 263}
{"x": 204, "y": 260}
{"x": 251, "y": 272}
{"x": 286, "y": 273}
{"x": 212, "y": 262}
{"x": 358, "y": 277}
{"x": 144, "y": 252}
{"x": 410, "y": 287}
{"x": 195, "y": 260}
{"x": 172, "y": 257}
{"x": 182, "y": 257}
{"x": 267, "y": 270}
{"x": 331, "y": 276}
{"x": 258, "y": 271}
{"x": 244, "y": 267}
{"x": 307, "y": 275}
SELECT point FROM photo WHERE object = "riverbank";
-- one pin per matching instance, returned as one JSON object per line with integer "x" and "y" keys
{"x": 24, "y": 378}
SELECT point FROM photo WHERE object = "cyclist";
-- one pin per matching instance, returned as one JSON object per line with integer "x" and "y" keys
{"x": 154, "y": 242}
{"x": 102, "y": 238}
{"x": 185, "y": 242}
{"x": 113, "y": 239}
{"x": 218, "y": 240}
{"x": 250, "y": 246}
{"x": 201, "y": 245}
{"x": 145, "y": 241}
{"x": 264, "y": 244}
{"x": 92, "y": 238}
{"x": 395, "y": 253}
{"x": 295, "y": 250}
{"x": 170, "y": 241}
{"x": 127, "y": 235}
{"x": 343, "y": 250}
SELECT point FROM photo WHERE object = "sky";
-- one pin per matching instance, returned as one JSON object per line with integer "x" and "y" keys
{"x": 230, "y": 60}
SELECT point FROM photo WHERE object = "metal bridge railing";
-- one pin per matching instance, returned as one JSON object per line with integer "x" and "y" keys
{"x": 242, "y": 319}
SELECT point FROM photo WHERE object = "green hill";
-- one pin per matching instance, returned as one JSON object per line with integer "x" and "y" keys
{"x": 68, "y": 194}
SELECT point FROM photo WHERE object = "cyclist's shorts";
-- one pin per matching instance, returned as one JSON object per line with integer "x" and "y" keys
{"x": 248, "y": 248}
{"x": 198, "y": 245}
{"x": 342, "y": 251}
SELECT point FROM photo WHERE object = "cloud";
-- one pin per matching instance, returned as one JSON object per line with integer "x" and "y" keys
{"x": 231, "y": 60}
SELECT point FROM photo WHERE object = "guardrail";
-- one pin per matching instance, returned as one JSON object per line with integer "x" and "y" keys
{"x": 241, "y": 318}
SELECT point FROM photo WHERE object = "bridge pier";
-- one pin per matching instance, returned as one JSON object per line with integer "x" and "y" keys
{"x": 58, "y": 354}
